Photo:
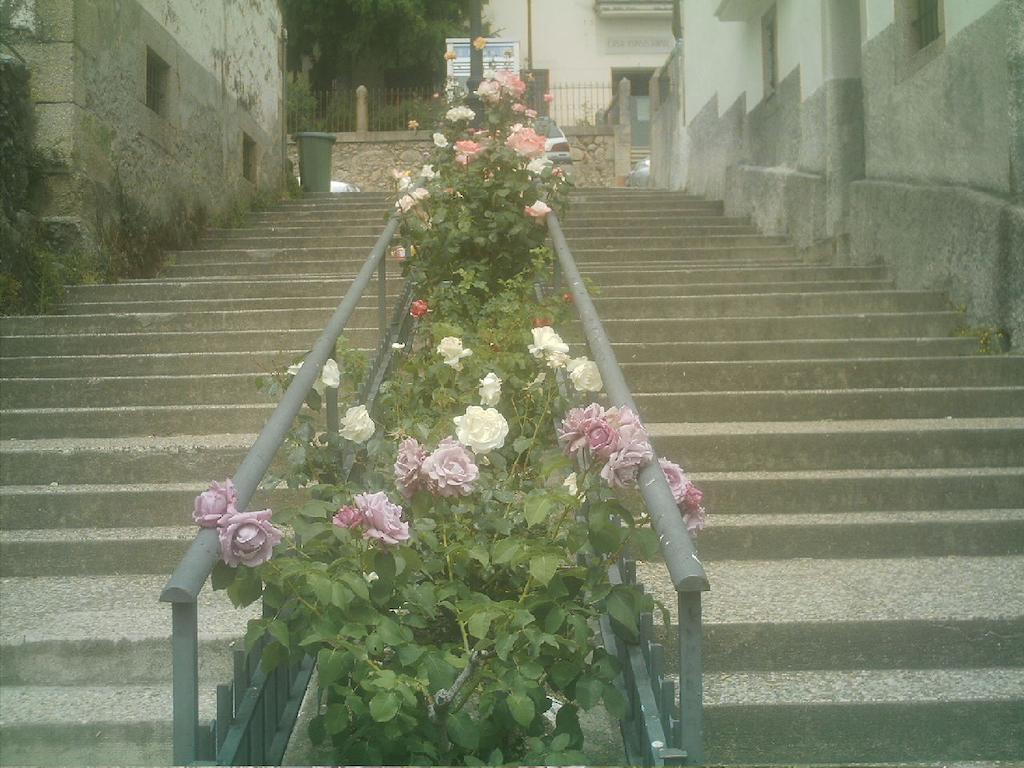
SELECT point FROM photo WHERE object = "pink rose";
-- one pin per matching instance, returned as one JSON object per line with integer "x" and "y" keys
{"x": 212, "y": 504}
{"x": 348, "y": 517}
{"x": 526, "y": 142}
{"x": 539, "y": 210}
{"x": 466, "y": 150}
{"x": 693, "y": 498}
{"x": 450, "y": 470}
{"x": 520, "y": 108}
{"x": 548, "y": 98}
{"x": 511, "y": 83}
{"x": 531, "y": 113}
{"x": 634, "y": 449}
{"x": 695, "y": 520}
{"x": 577, "y": 426}
{"x": 407, "y": 467}
{"x": 247, "y": 538}
{"x": 677, "y": 479}
{"x": 383, "y": 520}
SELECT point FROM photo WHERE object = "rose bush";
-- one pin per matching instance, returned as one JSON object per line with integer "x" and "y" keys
{"x": 446, "y": 626}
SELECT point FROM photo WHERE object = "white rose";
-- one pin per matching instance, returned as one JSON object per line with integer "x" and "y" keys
{"x": 481, "y": 429}
{"x": 584, "y": 375}
{"x": 455, "y": 114}
{"x": 420, "y": 193}
{"x": 440, "y": 140}
{"x": 330, "y": 375}
{"x": 293, "y": 370}
{"x": 357, "y": 425}
{"x": 427, "y": 171}
{"x": 570, "y": 484}
{"x": 546, "y": 342}
{"x": 405, "y": 202}
{"x": 490, "y": 389}
{"x": 537, "y": 381}
{"x": 537, "y": 165}
{"x": 557, "y": 359}
{"x": 452, "y": 351}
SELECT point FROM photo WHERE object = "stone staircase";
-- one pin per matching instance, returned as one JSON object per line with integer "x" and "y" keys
{"x": 865, "y": 473}
{"x": 112, "y": 417}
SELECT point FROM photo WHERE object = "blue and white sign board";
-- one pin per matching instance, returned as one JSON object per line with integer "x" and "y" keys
{"x": 498, "y": 55}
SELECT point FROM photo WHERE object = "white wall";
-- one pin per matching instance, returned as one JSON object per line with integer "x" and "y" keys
{"x": 576, "y": 45}
{"x": 235, "y": 42}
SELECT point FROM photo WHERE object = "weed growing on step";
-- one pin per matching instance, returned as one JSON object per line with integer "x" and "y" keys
{"x": 991, "y": 339}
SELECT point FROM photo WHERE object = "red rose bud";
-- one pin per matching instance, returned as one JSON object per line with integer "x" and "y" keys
{"x": 419, "y": 308}
{"x": 567, "y": 297}
{"x": 540, "y": 322}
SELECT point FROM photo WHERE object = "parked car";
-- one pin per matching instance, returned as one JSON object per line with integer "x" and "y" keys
{"x": 556, "y": 145}
{"x": 640, "y": 176}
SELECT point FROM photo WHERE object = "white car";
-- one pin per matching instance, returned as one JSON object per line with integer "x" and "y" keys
{"x": 556, "y": 145}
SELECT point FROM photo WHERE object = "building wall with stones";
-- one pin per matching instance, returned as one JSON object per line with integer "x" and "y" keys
{"x": 176, "y": 104}
{"x": 838, "y": 123}
{"x": 367, "y": 159}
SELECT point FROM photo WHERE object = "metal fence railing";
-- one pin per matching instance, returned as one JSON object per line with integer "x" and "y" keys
{"x": 388, "y": 109}
{"x": 578, "y": 105}
{"x": 659, "y": 729}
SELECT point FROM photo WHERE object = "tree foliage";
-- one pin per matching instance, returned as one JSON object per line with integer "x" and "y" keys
{"x": 373, "y": 42}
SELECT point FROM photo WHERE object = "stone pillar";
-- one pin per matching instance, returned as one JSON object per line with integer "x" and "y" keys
{"x": 844, "y": 113}
{"x": 623, "y": 134}
{"x": 1015, "y": 67}
{"x": 362, "y": 113}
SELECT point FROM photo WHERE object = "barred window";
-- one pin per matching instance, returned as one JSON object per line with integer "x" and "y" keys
{"x": 157, "y": 76}
{"x": 927, "y": 22}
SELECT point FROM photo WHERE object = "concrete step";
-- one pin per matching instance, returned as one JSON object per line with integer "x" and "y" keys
{"x": 765, "y": 304}
{"x": 797, "y": 349}
{"x": 833, "y": 404}
{"x": 355, "y": 218}
{"x": 660, "y": 274}
{"x": 120, "y": 391}
{"x": 287, "y": 230}
{"x": 689, "y": 288}
{"x": 170, "y": 364}
{"x": 683, "y": 254}
{"x": 227, "y": 303}
{"x": 641, "y": 240}
{"x": 826, "y": 374}
{"x": 34, "y": 507}
{"x": 300, "y": 315}
{"x": 214, "y": 290}
{"x": 685, "y": 228}
{"x": 179, "y": 459}
{"x": 175, "y": 341}
{"x": 867, "y": 444}
{"x": 863, "y": 535}
{"x": 355, "y": 253}
{"x": 94, "y": 551}
{"x": 640, "y": 209}
{"x": 87, "y": 630}
{"x": 857, "y": 490}
{"x": 330, "y": 268}
{"x": 273, "y": 239}
{"x": 137, "y": 421}
{"x": 862, "y": 325}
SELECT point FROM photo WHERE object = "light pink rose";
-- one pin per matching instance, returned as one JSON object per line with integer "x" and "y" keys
{"x": 247, "y": 538}
{"x": 466, "y": 150}
{"x": 539, "y": 210}
{"x": 577, "y": 426}
{"x": 215, "y": 502}
{"x": 383, "y": 520}
{"x": 511, "y": 83}
{"x": 695, "y": 520}
{"x": 526, "y": 142}
{"x": 633, "y": 450}
{"x": 677, "y": 479}
{"x": 693, "y": 498}
{"x": 520, "y": 108}
{"x": 531, "y": 113}
{"x": 407, "y": 467}
{"x": 548, "y": 98}
{"x": 348, "y": 517}
{"x": 489, "y": 91}
{"x": 450, "y": 470}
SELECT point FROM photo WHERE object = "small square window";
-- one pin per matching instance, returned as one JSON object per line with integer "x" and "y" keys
{"x": 927, "y": 22}
{"x": 157, "y": 77}
{"x": 248, "y": 157}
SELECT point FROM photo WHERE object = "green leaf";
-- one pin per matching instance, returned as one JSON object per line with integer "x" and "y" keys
{"x": 588, "y": 691}
{"x": 623, "y": 613}
{"x": 504, "y": 550}
{"x": 336, "y": 719}
{"x": 330, "y": 665}
{"x": 543, "y": 567}
{"x": 246, "y": 588}
{"x": 279, "y": 630}
{"x": 479, "y": 623}
{"x": 521, "y": 444}
{"x": 522, "y": 709}
{"x": 222, "y": 575}
{"x": 463, "y": 731}
{"x": 391, "y": 633}
{"x": 645, "y": 543}
{"x": 614, "y": 701}
{"x": 553, "y": 620}
{"x": 384, "y": 706}
{"x": 538, "y": 507}
{"x": 409, "y": 654}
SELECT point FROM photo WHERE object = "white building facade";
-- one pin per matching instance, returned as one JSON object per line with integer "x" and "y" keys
{"x": 877, "y": 130}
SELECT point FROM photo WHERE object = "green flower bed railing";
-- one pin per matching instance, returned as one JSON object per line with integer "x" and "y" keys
{"x": 256, "y": 712}
{"x": 659, "y": 729}
{"x": 474, "y": 622}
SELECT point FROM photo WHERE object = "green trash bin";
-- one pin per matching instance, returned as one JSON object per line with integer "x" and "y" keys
{"x": 315, "y": 160}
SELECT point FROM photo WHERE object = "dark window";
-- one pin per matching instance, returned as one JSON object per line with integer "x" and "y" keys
{"x": 157, "y": 76}
{"x": 926, "y": 23}
{"x": 769, "y": 51}
{"x": 248, "y": 157}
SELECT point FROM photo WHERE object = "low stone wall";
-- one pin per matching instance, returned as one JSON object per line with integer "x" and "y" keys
{"x": 367, "y": 159}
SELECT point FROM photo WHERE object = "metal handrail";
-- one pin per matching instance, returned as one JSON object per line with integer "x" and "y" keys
{"x": 183, "y": 587}
{"x": 684, "y": 567}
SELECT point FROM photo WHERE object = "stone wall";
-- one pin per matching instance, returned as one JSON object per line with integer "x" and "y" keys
{"x": 367, "y": 159}
{"x": 222, "y": 81}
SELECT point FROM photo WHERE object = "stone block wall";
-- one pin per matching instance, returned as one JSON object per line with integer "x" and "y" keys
{"x": 367, "y": 159}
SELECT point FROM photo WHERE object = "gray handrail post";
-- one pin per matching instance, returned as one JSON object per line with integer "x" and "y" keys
{"x": 331, "y": 396}
{"x": 382, "y": 301}
{"x": 691, "y": 682}
{"x": 185, "y": 681}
